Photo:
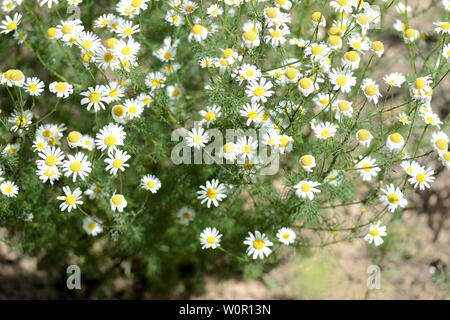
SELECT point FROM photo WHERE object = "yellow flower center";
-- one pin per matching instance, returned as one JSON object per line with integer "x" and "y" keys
{"x": 119, "y": 111}
{"x": 61, "y": 87}
{"x": 377, "y": 46}
{"x": 197, "y": 29}
{"x": 210, "y": 116}
{"x": 343, "y": 3}
{"x": 110, "y": 141}
{"x": 284, "y": 142}
{"x": 326, "y": 133}
{"x": 370, "y": 90}
{"x": 316, "y": 16}
{"x": 334, "y": 40}
{"x": 117, "y": 199}
{"x": 343, "y": 105}
{"x": 117, "y": 163}
{"x": 197, "y": 139}
{"x": 259, "y": 91}
{"x": 445, "y": 26}
{"x": 410, "y": 33}
{"x": 21, "y": 121}
{"x": 316, "y": 50}
{"x": 91, "y": 226}
{"x": 421, "y": 177}
{"x": 305, "y": 187}
{"x": 374, "y": 232}
{"x": 271, "y": 13}
{"x": 419, "y": 83}
{"x": 291, "y": 73}
{"x": 396, "y": 137}
{"x": 150, "y": 184}
{"x": 250, "y": 35}
{"x": 229, "y": 147}
{"x": 51, "y": 160}
{"x": 363, "y": 135}
{"x": 446, "y": 156}
{"x": 186, "y": 215}
{"x": 71, "y": 199}
{"x": 12, "y": 25}
{"x": 16, "y": 75}
{"x": 95, "y": 97}
{"x": 252, "y": 115}
{"x": 67, "y": 29}
{"x": 126, "y": 51}
{"x": 275, "y": 34}
{"x": 211, "y": 239}
{"x": 258, "y": 244}
{"x": 352, "y": 56}
{"x": 136, "y": 3}
{"x": 341, "y": 80}
{"x": 73, "y": 137}
{"x": 305, "y": 83}
{"x": 392, "y": 198}
{"x": 227, "y": 53}
{"x": 306, "y": 160}
{"x": 76, "y": 166}
{"x": 441, "y": 144}
{"x": 362, "y": 19}
{"x": 247, "y": 149}
{"x": 211, "y": 193}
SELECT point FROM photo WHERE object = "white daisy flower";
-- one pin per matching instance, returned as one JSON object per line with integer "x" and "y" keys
{"x": 197, "y": 138}
{"x": 61, "y": 89}
{"x": 10, "y": 24}
{"x": 253, "y": 112}
{"x": 306, "y": 189}
{"x": 308, "y": 162}
{"x": 403, "y": 118}
{"x": 209, "y": 115}
{"x": 247, "y": 147}
{"x": 368, "y": 168}
{"x": 371, "y": 90}
{"x": 395, "y": 79}
{"x": 342, "y": 80}
{"x": 258, "y": 245}
{"x": 50, "y": 157}
{"x": 325, "y": 130}
{"x": 9, "y": 189}
{"x": 77, "y": 166}
{"x": 286, "y": 236}
{"x": 259, "y": 91}
{"x": 186, "y": 215}
{"x": 440, "y": 141}
{"x": 151, "y": 183}
{"x": 393, "y": 197}
{"x": 212, "y": 192}
{"x": 375, "y": 233}
{"x": 20, "y": 120}
{"x": 422, "y": 177}
{"x": 34, "y": 86}
{"x": 395, "y": 142}
{"x": 364, "y": 137}
{"x": 94, "y": 97}
{"x": 198, "y": 33}
{"x": 94, "y": 192}
{"x": 71, "y": 199}
{"x": 210, "y": 238}
{"x": 92, "y": 226}
{"x": 110, "y": 136}
{"x": 118, "y": 202}
{"x": 117, "y": 161}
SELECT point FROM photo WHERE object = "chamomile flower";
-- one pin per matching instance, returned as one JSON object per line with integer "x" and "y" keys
{"x": 174, "y": 18}
{"x": 422, "y": 177}
{"x": 345, "y": 6}
{"x": 375, "y": 233}
{"x": 247, "y": 147}
{"x": 431, "y": 118}
{"x": 173, "y": 92}
{"x": 351, "y": 59}
{"x": 317, "y": 51}
{"x": 155, "y": 80}
{"x": 33, "y": 86}
{"x": 112, "y": 92}
{"x": 371, "y": 90}
{"x": 10, "y": 24}
{"x": 308, "y": 162}
{"x": 271, "y": 139}
{"x": 151, "y": 183}
{"x": 118, "y": 202}
{"x": 229, "y": 151}
{"x": 20, "y": 36}
{"x": 251, "y": 34}
{"x": 198, "y": 33}
{"x": 20, "y": 120}
{"x": 39, "y": 144}
{"x": 70, "y": 200}
{"x": 88, "y": 42}
{"x": 210, "y": 238}
{"x": 9, "y": 189}
{"x": 50, "y": 157}
{"x": 186, "y": 215}
{"x": 206, "y": 62}
{"x": 209, "y": 115}
{"x": 410, "y": 167}
{"x": 77, "y": 166}
{"x": 342, "y": 80}
{"x": 318, "y": 18}
{"x": 284, "y": 4}
{"x": 440, "y": 141}
{"x": 61, "y": 89}
{"x": 446, "y": 51}
{"x": 342, "y": 108}
{"x": 277, "y": 35}
{"x": 126, "y": 50}
{"x": 364, "y": 137}
{"x": 306, "y": 189}
{"x": 335, "y": 177}
{"x": 212, "y": 192}
{"x": 117, "y": 161}
{"x": 68, "y": 31}
{"x": 410, "y": 35}
{"x": 127, "y": 29}
{"x": 253, "y": 112}
{"x": 368, "y": 168}
{"x": 307, "y": 86}
{"x": 358, "y": 43}
{"x": 393, "y": 197}
{"x": 395, "y": 142}
{"x": 286, "y": 236}
{"x": 94, "y": 192}
{"x": 197, "y": 138}
{"x": 94, "y": 97}
{"x": 442, "y": 27}
{"x": 8, "y": 5}
{"x": 259, "y": 91}
{"x": 258, "y": 245}
{"x": 214, "y": 11}
{"x": 110, "y": 136}
{"x": 445, "y": 159}
{"x": 325, "y": 130}
{"x": 13, "y": 77}
{"x": 394, "y": 79}
{"x": 134, "y": 108}
{"x": 286, "y": 144}
{"x": 92, "y": 226}
{"x": 188, "y": 7}
{"x": 11, "y": 148}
